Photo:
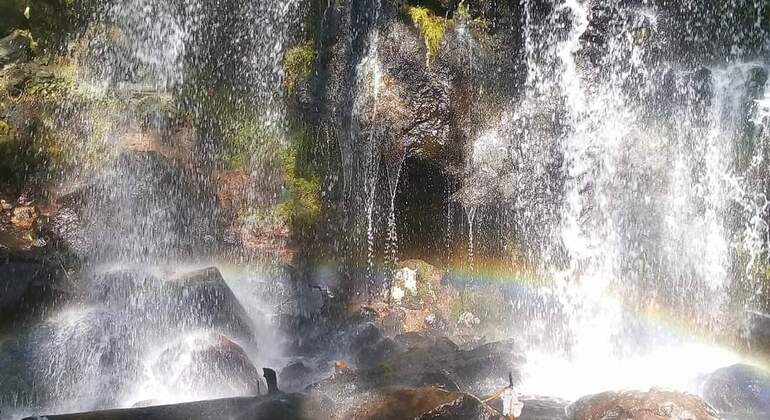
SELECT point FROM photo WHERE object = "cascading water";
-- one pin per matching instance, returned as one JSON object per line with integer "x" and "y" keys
{"x": 143, "y": 332}
{"x": 647, "y": 218}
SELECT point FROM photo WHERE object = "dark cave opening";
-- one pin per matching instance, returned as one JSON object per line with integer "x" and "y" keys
{"x": 422, "y": 205}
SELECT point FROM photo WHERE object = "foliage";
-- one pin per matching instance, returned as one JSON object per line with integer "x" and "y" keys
{"x": 431, "y": 27}
{"x": 298, "y": 65}
{"x": 301, "y": 204}
{"x": 463, "y": 11}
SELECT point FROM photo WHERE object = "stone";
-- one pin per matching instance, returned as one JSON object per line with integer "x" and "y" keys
{"x": 296, "y": 376}
{"x": 276, "y": 407}
{"x": 175, "y": 206}
{"x": 739, "y": 389}
{"x": 24, "y": 217}
{"x": 418, "y": 359}
{"x": 14, "y": 48}
{"x": 637, "y": 405}
{"x": 27, "y": 287}
{"x": 402, "y": 404}
{"x": 203, "y": 299}
{"x": 466, "y": 407}
{"x": 208, "y": 363}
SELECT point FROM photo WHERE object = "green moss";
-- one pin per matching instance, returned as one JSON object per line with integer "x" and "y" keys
{"x": 431, "y": 27}
{"x": 463, "y": 11}
{"x": 301, "y": 204}
{"x": 298, "y": 65}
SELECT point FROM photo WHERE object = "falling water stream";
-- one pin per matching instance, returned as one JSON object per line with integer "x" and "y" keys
{"x": 647, "y": 200}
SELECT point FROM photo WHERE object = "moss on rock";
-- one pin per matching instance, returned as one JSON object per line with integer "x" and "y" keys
{"x": 298, "y": 65}
{"x": 430, "y": 26}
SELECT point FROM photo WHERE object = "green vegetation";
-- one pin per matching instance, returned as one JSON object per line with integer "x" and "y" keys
{"x": 301, "y": 204}
{"x": 298, "y": 65}
{"x": 463, "y": 11}
{"x": 431, "y": 27}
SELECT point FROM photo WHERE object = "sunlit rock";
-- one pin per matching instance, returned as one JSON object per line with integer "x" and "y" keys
{"x": 637, "y": 405}
{"x": 739, "y": 389}
{"x": 203, "y": 364}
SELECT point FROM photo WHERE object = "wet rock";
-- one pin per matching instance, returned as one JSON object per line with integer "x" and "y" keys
{"x": 739, "y": 389}
{"x": 205, "y": 363}
{"x": 16, "y": 47}
{"x": 402, "y": 404}
{"x": 416, "y": 360}
{"x": 637, "y": 405}
{"x": 758, "y": 331}
{"x": 537, "y": 408}
{"x": 203, "y": 299}
{"x": 127, "y": 289}
{"x": 278, "y": 407}
{"x": 67, "y": 358}
{"x": 296, "y": 377}
{"x": 141, "y": 204}
{"x": 27, "y": 287}
{"x": 466, "y": 407}
{"x": 24, "y": 217}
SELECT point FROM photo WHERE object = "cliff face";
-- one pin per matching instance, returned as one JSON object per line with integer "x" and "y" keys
{"x": 353, "y": 131}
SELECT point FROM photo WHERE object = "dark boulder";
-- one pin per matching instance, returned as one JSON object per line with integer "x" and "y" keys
{"x": 208, "y": 362}
{"x": 28, "y": 286}
{"x": 16, "y": 47}
{"x": 297, "y": 376}
{"x": 416, "y": 360}
{"x": 739, "y": 389}
{"x": 142, "y": 205}
{"x": 278, "y": 407}
{"x": 203, "y": 299}
{"x": 637, "y": 405}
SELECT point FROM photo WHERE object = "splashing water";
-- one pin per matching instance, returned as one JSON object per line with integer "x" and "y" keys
{"x": 646, "y": 212}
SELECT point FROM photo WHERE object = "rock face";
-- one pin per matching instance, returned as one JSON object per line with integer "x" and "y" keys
{"x": 279, "y": 407}
{"x": 636, "y": 405}
{"x": 739, "y": 389}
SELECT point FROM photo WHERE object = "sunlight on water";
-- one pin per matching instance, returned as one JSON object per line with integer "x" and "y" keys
{"x": 680, "y": 367}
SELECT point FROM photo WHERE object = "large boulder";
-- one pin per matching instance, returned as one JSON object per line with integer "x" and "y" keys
{"x": 203, "y": 299}
{"x": 638, "y": 405}
{"x": 80, "y": 358}
{"x": 739, "y": 389}
{"x": 198, "y": 364}
{"x": 142, "y": 205}
{"x": 417, "y": 360}
{"x": 28, "y": 286}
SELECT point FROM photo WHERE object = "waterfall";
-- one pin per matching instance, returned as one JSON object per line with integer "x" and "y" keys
{"x": 652, "y": 177}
